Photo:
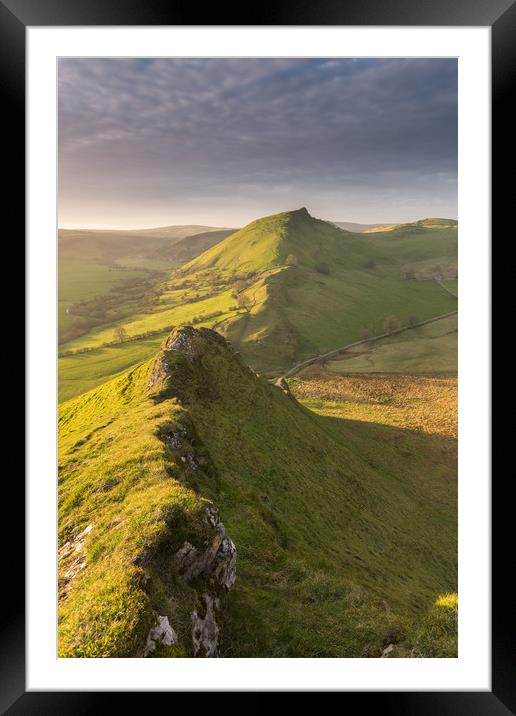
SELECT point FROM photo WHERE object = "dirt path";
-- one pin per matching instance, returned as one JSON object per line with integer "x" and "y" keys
{"x": 299, "y": 366}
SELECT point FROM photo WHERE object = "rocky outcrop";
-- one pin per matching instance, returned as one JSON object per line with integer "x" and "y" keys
{"x": 210, "y": 570}
{"x": 161, "y": 633}
{"x": 205, "y": 630}
{"x": 217, "y": 562}
{"x": 180, "y": 355}
{"x": 217, "y": 565}
{"x": 72, "y": 559}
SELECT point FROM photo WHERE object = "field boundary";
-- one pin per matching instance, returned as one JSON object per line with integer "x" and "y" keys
{"x": 441, "y": 284}
{"x": 323, "y": 356}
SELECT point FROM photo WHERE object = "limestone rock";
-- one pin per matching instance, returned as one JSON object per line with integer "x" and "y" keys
{"x": 73, "y": 555}
{"x": 205, "y": 631}
{"x": 387, "y": 651}
{"x": 161, "y": 633}
{"x": 217, "y": 561}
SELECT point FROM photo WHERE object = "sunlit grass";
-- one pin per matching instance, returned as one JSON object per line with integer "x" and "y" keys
{"x": 438, "y": 636}
{"x": 345, "y": 530}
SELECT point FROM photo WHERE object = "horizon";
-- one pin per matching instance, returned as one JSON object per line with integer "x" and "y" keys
{"x": 219, "y": 142}
{"x": 75, "y": 227}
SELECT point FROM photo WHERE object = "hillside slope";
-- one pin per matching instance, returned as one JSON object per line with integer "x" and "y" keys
{"x": 426, "y": 349}
{"x": 191, "y": 246}
{"x": 203, "y": 511}
{"x": 310, "y": 287}
{"x": 284, "y": 288}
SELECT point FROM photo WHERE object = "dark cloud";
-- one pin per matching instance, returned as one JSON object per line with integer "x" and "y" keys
{"x": 169, "y": 140}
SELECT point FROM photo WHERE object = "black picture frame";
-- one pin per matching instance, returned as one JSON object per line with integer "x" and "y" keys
{"x": 500, "y": 15}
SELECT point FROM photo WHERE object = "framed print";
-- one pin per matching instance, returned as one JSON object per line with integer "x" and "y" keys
{"x": 268, "y": 436}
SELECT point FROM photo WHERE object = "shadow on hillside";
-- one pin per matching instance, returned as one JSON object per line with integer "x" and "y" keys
{"x": 378, "y": 439}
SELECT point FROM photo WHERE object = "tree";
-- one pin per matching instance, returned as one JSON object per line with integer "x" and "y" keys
{"x": 391, "y": 323}
{"x": 120, "y": 334}
{"x": 291, "y": 260}
{"x": 370, "y": 265}
{"x": 244, "y": 302}
{"x": 238, "y": 287}
{"x": 408, "y": 275}
{"x": 412, "y": 320}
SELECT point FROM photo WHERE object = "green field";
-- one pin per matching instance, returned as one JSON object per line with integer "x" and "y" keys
{"x": 426, "y": 349}
{"x": 345, "y": 528}
{"x": 106, "y": 277}
{"x": 282, "y": 289}
{"x": 82, "y": 281}
{"x": 79, "y": 373}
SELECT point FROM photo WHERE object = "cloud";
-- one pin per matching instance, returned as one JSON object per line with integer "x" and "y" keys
{"x": 207, "y": 128}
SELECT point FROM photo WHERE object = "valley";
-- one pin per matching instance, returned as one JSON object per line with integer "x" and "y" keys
{"x": 269, "y": 289}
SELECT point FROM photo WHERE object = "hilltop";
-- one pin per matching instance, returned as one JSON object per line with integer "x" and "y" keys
{"x": 204, "y": 511}
{"x": 310, "y": 287}
{"x": 270, "y": 241}
{"x": 283, "y": 288}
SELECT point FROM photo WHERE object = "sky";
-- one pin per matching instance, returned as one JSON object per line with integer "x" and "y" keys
{"x": 221, "y": 142}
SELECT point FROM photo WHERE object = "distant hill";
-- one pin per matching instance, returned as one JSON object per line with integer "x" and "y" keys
{"x": 119, "y": 245}
{"x": 415, "y": 226}
{"x": 186, "y": 249}
{"x": 355, "y": 228}
{"x": 374, "y": 228}
{"x": 204, "y": 511}
{"x": 159, "y": 232}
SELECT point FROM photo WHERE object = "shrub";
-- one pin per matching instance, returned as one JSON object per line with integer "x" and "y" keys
{"x": 391, "y": 323}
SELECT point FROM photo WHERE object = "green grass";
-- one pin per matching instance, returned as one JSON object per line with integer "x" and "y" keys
{"x": 437, "y": 638}
{"x": 82, "y": 281}
{"x": 173, "y": 311}
{"x": 427, "y": 349}
{"x": 345, "y": 531}
{"x": 310, "y": 287}
{"x": 79, "y": 373}
{"x": 97, "y": 263}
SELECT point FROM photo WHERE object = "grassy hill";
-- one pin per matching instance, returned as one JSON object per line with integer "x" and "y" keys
{"x": 281, "y": 289}
{"x": 345, "y": 532}
{"x": 425, "y": 349}
{"x": 312, "y": 287}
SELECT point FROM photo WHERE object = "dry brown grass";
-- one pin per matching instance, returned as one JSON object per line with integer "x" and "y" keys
{"x": 427, "y": 404}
